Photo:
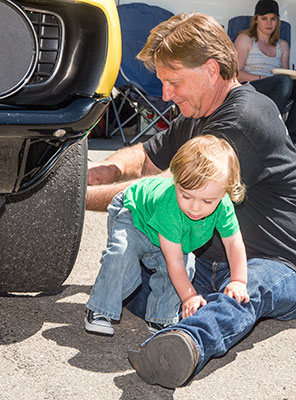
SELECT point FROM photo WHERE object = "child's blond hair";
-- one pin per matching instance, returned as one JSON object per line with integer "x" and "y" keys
{"x": 205, "y": 158}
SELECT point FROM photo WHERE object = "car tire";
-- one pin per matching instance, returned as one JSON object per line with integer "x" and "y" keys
{"x": 41, "y": 229}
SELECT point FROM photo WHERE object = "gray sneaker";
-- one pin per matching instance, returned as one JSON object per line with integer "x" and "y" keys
{"x": 98, "y": 324}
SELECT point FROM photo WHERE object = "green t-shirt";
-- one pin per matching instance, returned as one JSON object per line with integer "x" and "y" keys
{"x": 154, "y": 207}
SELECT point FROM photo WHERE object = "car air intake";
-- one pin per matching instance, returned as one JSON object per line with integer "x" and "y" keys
{"x": 49, "y": 31}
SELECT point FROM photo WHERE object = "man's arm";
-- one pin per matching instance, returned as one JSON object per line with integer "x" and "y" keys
{"x": 118, "y": 171}
{"x": 124, "y": 164}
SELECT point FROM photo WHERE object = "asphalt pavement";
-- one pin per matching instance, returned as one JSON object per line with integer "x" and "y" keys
{"x": 46, "y": 354}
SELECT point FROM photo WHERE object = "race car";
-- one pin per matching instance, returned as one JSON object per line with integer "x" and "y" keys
{"x": 59, "y": 62}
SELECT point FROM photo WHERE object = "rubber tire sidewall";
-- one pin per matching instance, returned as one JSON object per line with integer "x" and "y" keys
{"x": 41, "y": 229}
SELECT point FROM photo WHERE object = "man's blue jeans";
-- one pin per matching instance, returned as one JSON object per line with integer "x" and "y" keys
{"x": 120, "y": 272}
{"x": 223, "y": 322}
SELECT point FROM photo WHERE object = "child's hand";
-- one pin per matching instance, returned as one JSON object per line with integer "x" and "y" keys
{"x": 237, "y": 290}
{"x": 190, "y": 306}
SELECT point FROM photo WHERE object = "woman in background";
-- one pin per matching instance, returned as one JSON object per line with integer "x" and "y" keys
{"x": 260, "y": 49}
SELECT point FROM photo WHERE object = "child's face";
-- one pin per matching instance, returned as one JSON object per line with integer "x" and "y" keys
{"x": 199, "y": 203}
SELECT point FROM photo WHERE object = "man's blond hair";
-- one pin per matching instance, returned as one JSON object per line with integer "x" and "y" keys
{"x": 205, "y": 158}
{"x": 191, "y": 40}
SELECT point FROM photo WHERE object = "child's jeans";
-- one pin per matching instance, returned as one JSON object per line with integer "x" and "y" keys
{"x": 120, "y": 272}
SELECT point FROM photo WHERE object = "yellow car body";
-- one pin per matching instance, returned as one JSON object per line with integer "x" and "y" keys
{"x": 113, "y": 58}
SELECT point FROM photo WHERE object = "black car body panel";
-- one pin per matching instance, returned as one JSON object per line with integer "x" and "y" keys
{"x": 51, "y": 101}
{"x": 59, "y": 62}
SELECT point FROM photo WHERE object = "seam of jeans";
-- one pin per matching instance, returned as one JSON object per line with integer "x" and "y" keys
{"x": 283, "y": 317}
{"x": 286, "y": 317}
{"x": 215, "y": 266}
{"x": 237, "y": 333}
{"x": 151, "y": 250}
{"x": 287, "y": 275}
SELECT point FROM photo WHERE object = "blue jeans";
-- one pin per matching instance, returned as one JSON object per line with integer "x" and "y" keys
{"x": 120, "y": 272}
{"x": 223, "y": 322}
{"x": 277, "y": 87}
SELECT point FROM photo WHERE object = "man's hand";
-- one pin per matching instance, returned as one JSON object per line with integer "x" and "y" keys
{"x": 237, "y": 290}
{"x": 190, "y": 306}
{"x": 125, "y": 164}
{"x": 100, "y": 174}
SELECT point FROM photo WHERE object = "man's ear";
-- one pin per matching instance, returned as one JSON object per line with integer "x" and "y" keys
{"x": 213, "y": 69}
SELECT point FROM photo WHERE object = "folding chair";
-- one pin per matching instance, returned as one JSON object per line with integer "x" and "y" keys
{"x": 137, "y": 85}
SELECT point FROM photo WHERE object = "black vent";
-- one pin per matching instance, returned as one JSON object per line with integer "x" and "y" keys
{"x": 49, "y": 31}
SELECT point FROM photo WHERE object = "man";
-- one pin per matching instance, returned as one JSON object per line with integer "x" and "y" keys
{"x": 197, "y": 64}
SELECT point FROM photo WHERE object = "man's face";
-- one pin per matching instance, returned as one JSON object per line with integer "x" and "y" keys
{"x": 189, "y": 88}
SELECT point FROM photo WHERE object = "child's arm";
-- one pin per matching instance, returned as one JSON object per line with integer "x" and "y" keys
{"x": 236, "y": 254}
{"x": 174, "y": 258}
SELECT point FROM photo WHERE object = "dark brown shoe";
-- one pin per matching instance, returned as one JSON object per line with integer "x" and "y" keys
{"x": 168, "y": 360}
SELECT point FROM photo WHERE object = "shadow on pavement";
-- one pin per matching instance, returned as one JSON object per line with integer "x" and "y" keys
{"x": 22, "y": 316}
{"x": 134, "y": 388}
{"x": 263, "y": 330}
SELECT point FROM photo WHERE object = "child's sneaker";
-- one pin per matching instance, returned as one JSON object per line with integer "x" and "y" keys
{"x": 97, "y": 323}
{"x": 154, "y": 327}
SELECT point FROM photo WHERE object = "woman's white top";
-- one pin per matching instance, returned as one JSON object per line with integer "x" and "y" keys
{"x": 259, "y": 64}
